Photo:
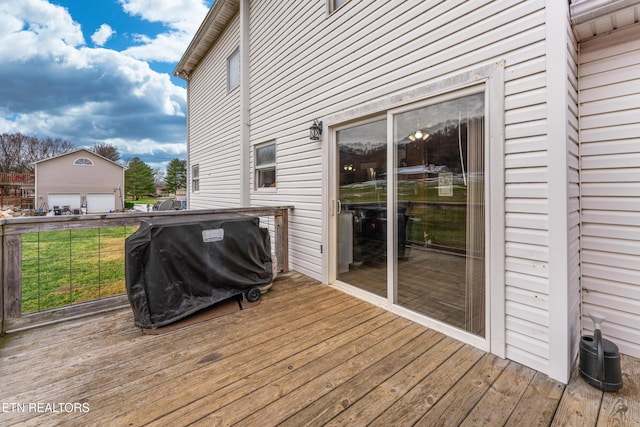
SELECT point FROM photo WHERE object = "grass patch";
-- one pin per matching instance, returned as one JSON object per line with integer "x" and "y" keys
{"x": 67, "y": 267}
{"x": 439, "y": 221}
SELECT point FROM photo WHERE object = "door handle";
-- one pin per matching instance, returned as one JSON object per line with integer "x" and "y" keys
{"x": 338, "y": 207}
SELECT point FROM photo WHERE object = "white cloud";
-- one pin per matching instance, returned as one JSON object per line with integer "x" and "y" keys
{"x": 102, "y": 34}
{"x": 146, "y": 146}
{"x": 32, "y": 28}
{"x": 55, "y": 86}
{"x": 182, "y": 17}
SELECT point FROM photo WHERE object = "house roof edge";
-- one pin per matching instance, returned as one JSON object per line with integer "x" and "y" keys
{"x": 77, "y": 151}
{"x": 220, "y": 14}
{"x": 586, "y": 10}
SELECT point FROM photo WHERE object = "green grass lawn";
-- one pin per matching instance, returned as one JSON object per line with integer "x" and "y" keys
{"x": 67, "y": 267}
{"x": 435, "y": 220}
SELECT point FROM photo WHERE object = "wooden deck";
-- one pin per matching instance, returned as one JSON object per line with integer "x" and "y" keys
{"x": 306, "y": 355}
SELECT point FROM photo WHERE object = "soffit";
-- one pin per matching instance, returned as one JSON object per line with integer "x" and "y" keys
{"x": 591, "y": 18}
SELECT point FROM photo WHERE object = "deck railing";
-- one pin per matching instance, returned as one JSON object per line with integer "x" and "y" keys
{"x": 12, "y": 178}
{"x": 26, "y": 260}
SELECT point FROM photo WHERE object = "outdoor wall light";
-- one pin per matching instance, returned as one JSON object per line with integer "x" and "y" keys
{"x": 315, "y": 130}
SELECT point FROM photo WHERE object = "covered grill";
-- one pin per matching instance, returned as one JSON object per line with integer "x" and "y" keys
{"x": 175, "y": 267}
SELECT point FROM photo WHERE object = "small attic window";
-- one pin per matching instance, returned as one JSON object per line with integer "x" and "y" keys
{"x": 233, "y": 70}
{"x": 83, "y": 161}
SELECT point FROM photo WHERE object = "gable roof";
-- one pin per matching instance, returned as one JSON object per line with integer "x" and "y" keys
{"x": 210, "y": 30}
{"x": 79, "y": 150}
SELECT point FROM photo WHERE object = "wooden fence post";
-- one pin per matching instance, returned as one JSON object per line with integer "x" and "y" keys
{"x": 1, "y": 277}
{"x": 281, "y": 222}
{"x": 12, "y": 275}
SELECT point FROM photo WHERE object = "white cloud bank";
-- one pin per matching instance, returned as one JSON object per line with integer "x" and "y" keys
{"x": 182, "y": 17}
{"x": 56, "y": 86}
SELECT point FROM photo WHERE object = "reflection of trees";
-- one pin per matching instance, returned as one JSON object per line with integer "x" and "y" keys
{"x": 441, "y": 148}
{"x": 363, "y": 148}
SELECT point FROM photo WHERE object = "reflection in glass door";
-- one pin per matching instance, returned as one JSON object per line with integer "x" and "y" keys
{"x": 440, "y": 195}
{"x": 362, "y": 206}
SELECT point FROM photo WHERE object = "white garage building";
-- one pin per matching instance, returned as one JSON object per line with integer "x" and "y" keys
{"x": 79, "y": 179}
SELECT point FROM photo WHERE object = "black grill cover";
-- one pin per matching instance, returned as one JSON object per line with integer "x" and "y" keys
{"x": 175, "y": 267}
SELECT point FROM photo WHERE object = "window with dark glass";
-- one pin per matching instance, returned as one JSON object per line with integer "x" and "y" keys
{"x": 83, "y": 161}
{"x": 265, "y": 165}
{"x": 336, "y": 4}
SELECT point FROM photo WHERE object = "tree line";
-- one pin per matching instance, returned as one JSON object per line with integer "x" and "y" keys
{"x": 139, "y": 178}
{"x": 18, "y": 152}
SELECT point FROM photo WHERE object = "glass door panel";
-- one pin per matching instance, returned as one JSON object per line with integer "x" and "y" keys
{"x": 362, "y": 206}
{"x": 440, "y": 195}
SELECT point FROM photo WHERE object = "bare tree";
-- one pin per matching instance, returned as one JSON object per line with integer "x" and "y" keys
{"x": 106, "y": 150}
{"x": 20, "y": 151}
{"x": 11, "y": 150}
{"x": 158, "y": 176}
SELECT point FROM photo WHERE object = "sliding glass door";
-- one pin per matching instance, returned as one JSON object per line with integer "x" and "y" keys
{"x": 362, "y": 206}
{"x": 434, "y": 208}
{"x": 439, "y": 189}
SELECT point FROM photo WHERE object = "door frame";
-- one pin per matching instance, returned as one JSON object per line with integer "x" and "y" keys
{"x": 491, "y": 78}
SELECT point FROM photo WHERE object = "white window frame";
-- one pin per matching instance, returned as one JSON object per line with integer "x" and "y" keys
{"x": 83, "y": 161}
{"x": 333, "y": 5}
{"x": 195, "y": 178}
{"x": 233, "y": 70}
{"x": 260, "y": 168}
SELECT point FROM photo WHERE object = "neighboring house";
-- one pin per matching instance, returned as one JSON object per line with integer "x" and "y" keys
{"x": 502, "y": 139}
{"x": 79, "y": 179}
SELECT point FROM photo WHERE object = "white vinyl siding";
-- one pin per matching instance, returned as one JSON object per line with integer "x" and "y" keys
{"x": 301, "y": 70}
{"x": 573, "y": 283}
{"x": 380, "y": 52}
{"x": 214, "y": 127}
{"x": 610, "y": 189}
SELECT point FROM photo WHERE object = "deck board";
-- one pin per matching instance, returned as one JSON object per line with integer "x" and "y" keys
{"x": 623, "y": 407}
{"x": 454, "y": 407}
{"x": 498, "y": 402}
{"x": 538, "y": 403}
{"x": 307, "y": 354}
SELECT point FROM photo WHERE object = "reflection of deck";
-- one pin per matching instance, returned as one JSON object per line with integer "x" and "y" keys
{"x": 431, "y": 283}
{"x": 306, "y": 355}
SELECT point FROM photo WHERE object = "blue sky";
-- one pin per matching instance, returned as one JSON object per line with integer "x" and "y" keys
{"x": 98, "y": 71}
